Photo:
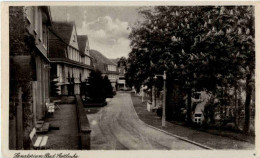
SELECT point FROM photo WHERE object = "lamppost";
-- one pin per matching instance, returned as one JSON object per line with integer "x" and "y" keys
{"x": 142, "y": 93}
{"x": 164, "y": 98}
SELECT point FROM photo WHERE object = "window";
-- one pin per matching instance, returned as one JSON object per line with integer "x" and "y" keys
{"x": 66, "y": 53}
{"x": 45, "y": 36}
{"x": 69, "y": 52}
{"x": 197, "y": 95}
{"x": 197, "y": 115}
{"x": 111, "y": 68}
{"x": 73, "y": 55}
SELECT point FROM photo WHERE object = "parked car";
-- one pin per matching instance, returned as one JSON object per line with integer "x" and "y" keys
{"x": 199, "y": 101}
{"x": 198, "y": 117}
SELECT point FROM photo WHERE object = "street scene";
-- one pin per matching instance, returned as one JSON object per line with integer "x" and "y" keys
{"x": 131, "y": 78}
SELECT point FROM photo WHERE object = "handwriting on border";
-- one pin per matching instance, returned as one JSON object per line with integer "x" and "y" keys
{"x": 46, "y": 155}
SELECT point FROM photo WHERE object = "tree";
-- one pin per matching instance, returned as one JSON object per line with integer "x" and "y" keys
{"x": 122, "y": 62}
{"x": 203, "y": 47}
{"x": 95, "y": 88}
{"x": 99, "y": 87}
{"x": 232, "y": 51}
{"x": 108, "y": 89}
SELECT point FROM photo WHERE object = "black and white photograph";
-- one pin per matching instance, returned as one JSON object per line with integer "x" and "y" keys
{"x": 131, "y": 77}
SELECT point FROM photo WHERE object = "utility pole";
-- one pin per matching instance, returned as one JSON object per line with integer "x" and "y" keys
{"x": 164, "y": 100}
{"x": 153, "y": 96}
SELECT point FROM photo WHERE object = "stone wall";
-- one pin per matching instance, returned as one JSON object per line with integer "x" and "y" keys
{"x": 84, "y": 126}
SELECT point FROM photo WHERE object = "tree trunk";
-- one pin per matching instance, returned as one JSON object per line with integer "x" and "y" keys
{"x": 189, "y": 107}
{"x": 236, "y": 109}
{"x": 247, "y": 104}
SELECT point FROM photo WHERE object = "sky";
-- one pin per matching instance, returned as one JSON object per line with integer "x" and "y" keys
{"x": 107, "y": 27}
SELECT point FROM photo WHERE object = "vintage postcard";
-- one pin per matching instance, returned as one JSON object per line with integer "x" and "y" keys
{"x": 130, "y": 79}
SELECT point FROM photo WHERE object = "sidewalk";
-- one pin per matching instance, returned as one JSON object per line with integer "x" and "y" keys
{"x": 66, "y": 137}
{"x": 202, "y": 137}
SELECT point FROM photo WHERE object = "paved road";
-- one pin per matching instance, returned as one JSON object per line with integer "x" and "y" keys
{"x": 117, "y": 126}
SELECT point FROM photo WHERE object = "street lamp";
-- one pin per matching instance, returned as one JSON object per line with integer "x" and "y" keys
{"x": 142, "y": 93}
{"x": 164, "y": 97}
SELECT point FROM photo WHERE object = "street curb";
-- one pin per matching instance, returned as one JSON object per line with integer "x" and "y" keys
{"x": 173, "y": 135}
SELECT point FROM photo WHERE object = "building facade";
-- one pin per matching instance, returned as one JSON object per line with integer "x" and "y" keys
{"x": 29, "y": 69}
{"x": 70, "y": 60}
{"x": 121, "y": 83}
{"x": 106, "y": 66}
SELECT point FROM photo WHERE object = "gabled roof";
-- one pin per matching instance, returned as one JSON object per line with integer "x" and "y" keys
{"x": 82, "y": 41}
{"x": 63, "y": 30}
{"x": 57, "y": 47}
{"x": 101, "y": 61}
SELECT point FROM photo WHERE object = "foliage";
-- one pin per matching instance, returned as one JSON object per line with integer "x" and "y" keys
{"x": 122, "y": 62}
{"x": 205, "y": 47}
{"x": 95, "y": 85}
{"x": 99, "y": 88}
{"x": 108, "y": 89}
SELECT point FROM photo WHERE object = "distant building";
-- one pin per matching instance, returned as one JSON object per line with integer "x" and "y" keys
{"x": 29, "y": 69}
{"x": 106, "y": 66}
{"x": 70, "y": 60}
{"x": 85, "y": 59}
{"x": 121, "y": 83}
{"x": 121, "y": 66}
